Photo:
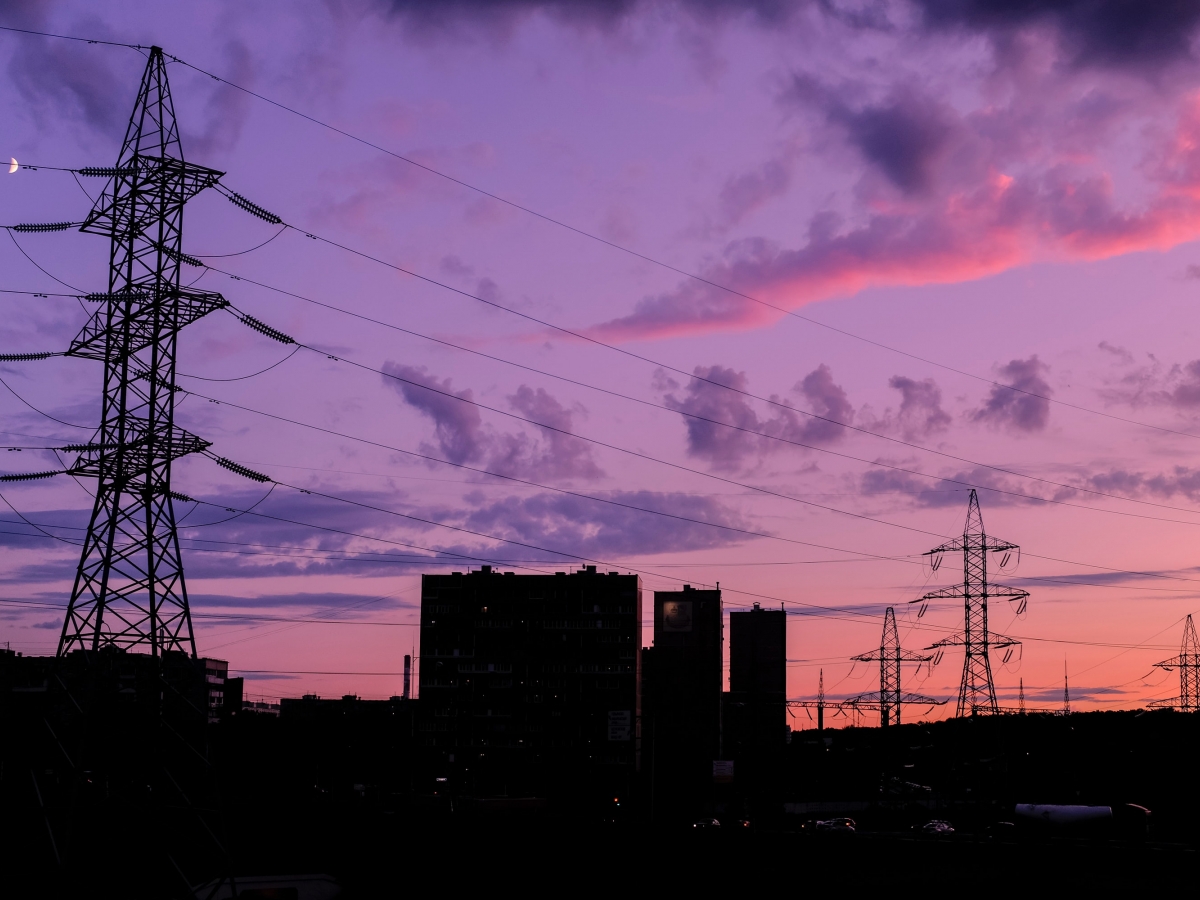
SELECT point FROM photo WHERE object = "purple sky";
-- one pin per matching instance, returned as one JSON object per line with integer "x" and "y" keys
{"x": 1009, "y": 196}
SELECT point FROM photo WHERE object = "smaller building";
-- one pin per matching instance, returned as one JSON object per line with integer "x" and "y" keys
{"x": 755, "y": 721}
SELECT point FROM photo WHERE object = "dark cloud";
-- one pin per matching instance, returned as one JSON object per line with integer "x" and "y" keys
{"x": 904, "y": 136}
{"x": 458, "y": 426}
{"x": 950, "y": 490}
{"x": 463, "y": 438}
{"x": 728, "y": 448}
{"x": 724, "y": 448}
{"x": 344, "y": 604}
{"x": 1130, "y": 33}
{"x": 1018, "y": 410}
{"x": 560, "y": 456}
{"x": 501, "y": 16}
{"x": 921, "y": 414}
{"x": 579, "y": 526}
{"x": 60, "y": 81}
{"x": 827, "y": 399}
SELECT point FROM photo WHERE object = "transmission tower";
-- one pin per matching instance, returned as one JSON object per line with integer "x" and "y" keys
{"x": 890, "y": 656}
{"x": 1188, "y": 664}
{"x": 129, "y": 588}
{"x": 1066, "y": 691}
{"x": 977, "y": 693}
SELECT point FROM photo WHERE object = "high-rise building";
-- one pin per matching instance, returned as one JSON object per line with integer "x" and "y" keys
{"x": 681, "y": 695}
{"x": 755, "y": 721}
{"x": 529, "y": 683}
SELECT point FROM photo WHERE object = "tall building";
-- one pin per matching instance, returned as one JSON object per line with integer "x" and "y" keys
{"x": 681, "y": 695}
{"x": 755, "y": 722}
{"x": 529, "y": 683}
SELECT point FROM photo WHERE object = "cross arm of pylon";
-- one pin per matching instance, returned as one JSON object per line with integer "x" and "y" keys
{"x": 872, "y": 700}
{"x": 878, "y": 656}
{"x": 953, "y": 592}
{"x": 995, "y": 642}
{"x": 1176, "y": 662}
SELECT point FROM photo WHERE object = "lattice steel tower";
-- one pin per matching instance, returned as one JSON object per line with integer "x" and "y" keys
{"x": 1188, "y": 663}
{"x": 890, "y": 656}
{"x": 129, "y": 589}
{"x": 977, "y": 693}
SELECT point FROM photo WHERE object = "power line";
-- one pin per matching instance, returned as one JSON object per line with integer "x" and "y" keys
{"x": 652, "y": 260}
{"x": 612, "y": 244}
{"x": 604, "y": 500}
{"x": 739, "y": 428}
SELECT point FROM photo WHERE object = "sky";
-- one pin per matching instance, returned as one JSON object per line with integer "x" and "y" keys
{"x": 712, "y": 291}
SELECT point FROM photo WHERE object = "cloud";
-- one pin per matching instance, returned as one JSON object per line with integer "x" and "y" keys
{"x": 58, "y": 80}
{"x": 1180, "y": 481}
{"x": 826, "y": 399}
{"x": 1155, "y": 384}
{"x": 710, "y": 408}
{"x": 458, "y": 427}
{"x": 904, "y": 136}
{"x": 1018, "y": 410}
{"x": 921, "y": 414}
{"x": 579, "y": 526}
{"x": 1091, "y": 32}
{"x": 343, "y": 604}
{"x": 724, "y": 448}
{"x": 226, "y": 110}
{"x": 463, "y": 438}
{"x": 950, "y": 489}
{"x": 743, "y": 194}
{"x": 1035, "y": 171}
{"x": 1119, "y": 352}
{"x": 501, "y": 17}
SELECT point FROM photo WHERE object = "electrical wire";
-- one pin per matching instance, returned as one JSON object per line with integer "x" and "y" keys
{"x": 244, "y": 377}
{"x": 39, "y": 412}
{"x": 657, "y": 262}
{"x": 241, "y": 252}
{"x": 770, "y": 401}
{"x": 612, "y": 244}
{"x": 38, "y": 267}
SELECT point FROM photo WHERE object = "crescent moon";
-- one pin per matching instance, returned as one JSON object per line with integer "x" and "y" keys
{"x": 13, "y": 166}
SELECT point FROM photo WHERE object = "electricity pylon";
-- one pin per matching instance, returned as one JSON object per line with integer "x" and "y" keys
{"x": 1188, "y": 664}
{"x": 129, "y": 588}
{"x": 977, "y": 692}
{"x": 890, "y": 655}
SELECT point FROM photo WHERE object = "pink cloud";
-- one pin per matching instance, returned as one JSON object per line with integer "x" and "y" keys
{"x": 990, "y": 221}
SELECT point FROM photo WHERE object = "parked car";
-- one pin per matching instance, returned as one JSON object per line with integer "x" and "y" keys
{"x": 842, "y": 824}
{"x": 705, "y": 824}
{"x": 937, "y": 826}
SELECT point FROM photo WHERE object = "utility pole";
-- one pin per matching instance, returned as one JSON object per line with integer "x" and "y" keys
{"x": 1188, "y": 664}
{"x": 890, "y": 655}
{"x": 129, "y": 589}
{"x": 977, "y": 691}
{"x": 1021, "y": 697}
